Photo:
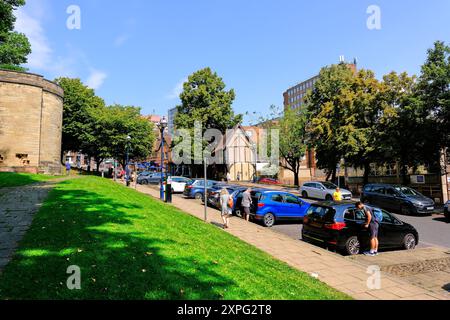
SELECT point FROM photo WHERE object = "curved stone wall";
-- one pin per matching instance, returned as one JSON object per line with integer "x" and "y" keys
{"x": 31, "y": 111}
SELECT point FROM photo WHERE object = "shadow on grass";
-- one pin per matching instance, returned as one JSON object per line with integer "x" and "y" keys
{"x": 117, "y": 259}
{"x": 9, "y": 180}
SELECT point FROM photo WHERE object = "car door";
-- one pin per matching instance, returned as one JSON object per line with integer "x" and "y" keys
{"x": 277, "y": 205}
{"x": 363, "y": 232}
{"x": 294, "y": 206}
{"x": 389, "y": 235}
{"x": 391, "y": 199}
{"x": 377, "y": 196}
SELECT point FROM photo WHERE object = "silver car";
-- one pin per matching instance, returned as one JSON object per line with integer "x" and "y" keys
{"x": 323, "y": 191}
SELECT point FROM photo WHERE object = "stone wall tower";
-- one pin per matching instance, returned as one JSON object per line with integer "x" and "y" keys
{"x": 31, "y": 111}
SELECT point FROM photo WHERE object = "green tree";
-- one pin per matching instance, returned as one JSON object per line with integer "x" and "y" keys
{"x": 14, "y": 46}
{"x": 293, "y": 137}
{"x": 326, "y": 116}
{"x": 405, "y": 138}
{"x": 204, "y": 100}
{"x": 78, "y": 123}
{"x": 113, "y": 126}
{"x": 434, "y": 94}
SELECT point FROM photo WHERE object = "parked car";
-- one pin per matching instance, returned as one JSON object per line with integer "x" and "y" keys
{"x": 196, "y": 189}
{"x": 322, "y": 191}
{"x": 397, "y": 198}
{"x": 341, "y": 226}
{"x": 178, "y": 184}
{"x": 270, "y": 181}
{"x": 271, "y": 206}
{"x": 213, "y": 194}
{"x": 154, "y": 178}
{"x": 447, "y": 210}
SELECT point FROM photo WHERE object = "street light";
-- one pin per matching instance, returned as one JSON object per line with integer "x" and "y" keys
{"x": 162, "y": 125}
{"x": 127, "y": 169}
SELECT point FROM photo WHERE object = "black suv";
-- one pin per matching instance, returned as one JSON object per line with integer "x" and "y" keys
{"x": 397, "y": 198}
{"x": 341, "y": 226}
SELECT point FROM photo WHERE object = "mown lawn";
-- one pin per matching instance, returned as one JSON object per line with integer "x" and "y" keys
{"x": 8, "y": 180}
{"x": 129, "y": 246}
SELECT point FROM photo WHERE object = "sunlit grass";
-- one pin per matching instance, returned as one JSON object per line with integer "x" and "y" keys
{"x": 130, "y": 246}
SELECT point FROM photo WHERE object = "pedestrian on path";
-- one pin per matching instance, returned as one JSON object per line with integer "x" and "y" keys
{"x": 373, "y": 226}
{"x": 238, "y": 178}
{"x": 337, "y": 196}
{"x": 226, "y": 204}
{"x": 228, "y": 178}
{"x": 68, "y": 167}
{"x": 247, "y": 203}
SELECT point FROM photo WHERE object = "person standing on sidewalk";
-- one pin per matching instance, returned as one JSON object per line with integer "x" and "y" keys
{"x": 373, "y": 226}
{"x": 337, "y": 196}
{"x": 247, "y": 203}
{"x": 68, "y": 167}
{"x": 225, "y": 201}
{"x": 228, "y": 177}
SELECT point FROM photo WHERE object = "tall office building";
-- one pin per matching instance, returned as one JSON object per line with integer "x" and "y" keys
{"x": 294, "y": 97}
{"x": 171, "y": 120}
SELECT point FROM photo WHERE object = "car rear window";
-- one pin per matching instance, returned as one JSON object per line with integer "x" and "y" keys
{"x": 277, "y": 198}
{"x": 322, "y": 213}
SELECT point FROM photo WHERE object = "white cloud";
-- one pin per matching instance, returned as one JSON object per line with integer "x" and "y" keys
{"x": 177, "y": 90}
{"x": 96, "y": 79}
{"x": 41, "y": 56}
{"x": 68, "y": 62}
{"x": 120, "y": 40}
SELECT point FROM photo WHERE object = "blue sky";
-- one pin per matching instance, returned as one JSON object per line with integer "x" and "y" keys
{"x": 138, "y": 52}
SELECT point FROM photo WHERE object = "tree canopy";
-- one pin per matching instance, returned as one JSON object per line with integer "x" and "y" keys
{"x": 14, "y": 46}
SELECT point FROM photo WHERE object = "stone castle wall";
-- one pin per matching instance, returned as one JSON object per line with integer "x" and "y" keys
{"x": 31, "y": 111}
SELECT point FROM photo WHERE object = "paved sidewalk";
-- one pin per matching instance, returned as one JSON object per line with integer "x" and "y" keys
{"x": 17, "y": 208}
{"x": 343, "y": 274}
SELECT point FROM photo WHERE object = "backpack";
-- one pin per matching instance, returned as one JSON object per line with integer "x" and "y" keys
{"x": 230, "y": 202}
{"x": 378, "y": 215}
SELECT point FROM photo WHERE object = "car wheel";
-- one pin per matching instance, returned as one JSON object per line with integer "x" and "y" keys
{"x": 173, "y": 191}
{"x": 305, "y": 194}
{"x": 329, "y": 197}
{"x": 406, "y": 210}
{"x": 269, "y": 220}
{"x": 198, "y": 196}
{"x": 409, "y": 242}
{"x": 144, "y": 182}
{"x": 352, "y": 246}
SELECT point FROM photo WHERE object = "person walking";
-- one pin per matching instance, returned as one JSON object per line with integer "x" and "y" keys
{"x": 68, "y": 168}
{"x": 228, "y": 177}
{"x": 238, "y": 177}
{"x": 373, "y": 226}
{"x": 247, "y": 203}
{"x": 337, "y": 196}
{"x": 226, "y": 204}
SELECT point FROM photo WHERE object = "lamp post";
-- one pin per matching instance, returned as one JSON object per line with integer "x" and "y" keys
{"x": 162, "y": 125}
{"x": 127, "y": 169}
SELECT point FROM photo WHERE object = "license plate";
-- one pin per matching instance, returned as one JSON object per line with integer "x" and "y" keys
{"x": 430, "y": 208}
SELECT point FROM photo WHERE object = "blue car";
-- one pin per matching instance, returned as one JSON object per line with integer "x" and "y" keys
{"x": 271, "y": 206}
{"x": 196, "y": 189}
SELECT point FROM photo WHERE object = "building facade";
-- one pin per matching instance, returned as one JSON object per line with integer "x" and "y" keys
{"x": 31, "y": 113}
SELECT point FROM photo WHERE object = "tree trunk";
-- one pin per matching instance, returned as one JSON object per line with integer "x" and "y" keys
{"x": 89, "y": 164}
{"x": 296, "y": 179}
{"x": 366, "y": 172}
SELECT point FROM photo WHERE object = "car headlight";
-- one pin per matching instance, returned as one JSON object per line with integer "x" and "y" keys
{"x": 417, "y": 204}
